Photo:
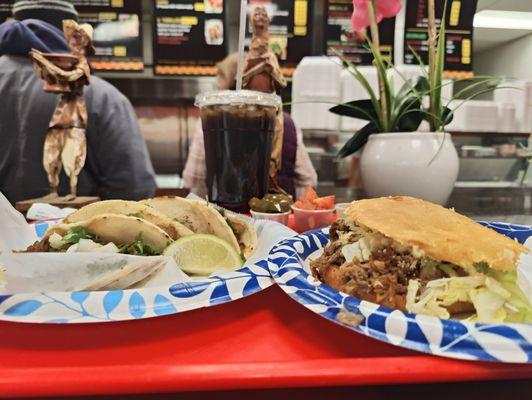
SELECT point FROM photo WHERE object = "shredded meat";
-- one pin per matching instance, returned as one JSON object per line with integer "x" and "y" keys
{"x": 38, "y": 247}
{"x": 383, "y": 279}
{"x": 338, "y": 225}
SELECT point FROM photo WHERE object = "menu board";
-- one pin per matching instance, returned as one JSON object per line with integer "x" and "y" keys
{"x": 342, "y": 38}
{"x": 290, "y": 29}
{"x": 5, "y": 10}
{"x": 458, "y": 39}
{"x": 117, "y": 33}
{"x": 189, "y": 36}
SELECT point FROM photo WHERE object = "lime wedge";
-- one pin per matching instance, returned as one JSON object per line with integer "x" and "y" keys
{"x": 203, "y": 254}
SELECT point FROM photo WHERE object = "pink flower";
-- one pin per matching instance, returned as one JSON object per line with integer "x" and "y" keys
{"x": 385, "y": 9}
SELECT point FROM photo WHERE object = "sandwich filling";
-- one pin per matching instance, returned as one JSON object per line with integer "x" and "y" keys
{"x": 373, "y": 267}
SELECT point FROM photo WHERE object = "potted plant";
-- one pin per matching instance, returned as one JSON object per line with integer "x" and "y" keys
{"x": 397, "y": 159}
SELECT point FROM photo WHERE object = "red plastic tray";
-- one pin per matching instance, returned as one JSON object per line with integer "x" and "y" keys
{"x": 263, "y": 341}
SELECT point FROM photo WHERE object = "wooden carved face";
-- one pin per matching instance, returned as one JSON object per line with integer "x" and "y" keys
{"x": 79, "y": 38}
{"x": 260, "y": 21}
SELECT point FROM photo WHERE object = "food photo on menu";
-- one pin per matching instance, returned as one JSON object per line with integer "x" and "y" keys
{"x": 265, "y": 199}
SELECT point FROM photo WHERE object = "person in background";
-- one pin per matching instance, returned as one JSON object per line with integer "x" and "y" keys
{"x": 118, "y": 164}
{"x": 297, "y": 172}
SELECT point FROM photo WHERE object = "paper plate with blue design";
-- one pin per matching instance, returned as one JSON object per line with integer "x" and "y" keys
{"x": 121, "y": 305}
{"x": 288, "y": 263}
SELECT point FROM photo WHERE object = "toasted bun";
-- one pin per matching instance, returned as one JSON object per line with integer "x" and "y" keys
{"x": 439, "y": 233}
{"x": 180, "y": 210}
{"x": 119, "y": 229}
{"x": 246, "y": 235}
{"x": 216, "y": 223}
{"x": 173, "y": 228}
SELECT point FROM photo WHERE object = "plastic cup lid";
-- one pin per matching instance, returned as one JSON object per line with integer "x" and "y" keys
{"x": 238, "y": 97}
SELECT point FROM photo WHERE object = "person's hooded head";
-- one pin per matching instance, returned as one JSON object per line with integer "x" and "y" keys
{"x": 50, "y": 11}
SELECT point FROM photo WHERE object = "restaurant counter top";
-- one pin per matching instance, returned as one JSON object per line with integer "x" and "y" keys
{"x": 501, "y": 204}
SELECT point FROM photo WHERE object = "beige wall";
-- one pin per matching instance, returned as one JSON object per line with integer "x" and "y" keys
{"x": 512, "y": 60}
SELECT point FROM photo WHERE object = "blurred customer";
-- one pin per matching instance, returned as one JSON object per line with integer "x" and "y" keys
{"x": 297, "y": 172}
{"x": 117, "y": 166}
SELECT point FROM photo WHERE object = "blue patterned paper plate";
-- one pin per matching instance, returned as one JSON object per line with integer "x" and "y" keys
{"x": 121, "y": 305}
{"x": 450, "y": 338}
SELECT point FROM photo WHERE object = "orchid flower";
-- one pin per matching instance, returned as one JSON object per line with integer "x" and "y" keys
{"x": 361, "y": 18}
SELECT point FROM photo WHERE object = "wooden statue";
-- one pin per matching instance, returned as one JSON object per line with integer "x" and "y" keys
{"x": 66, "y": 143}
{"x": 262, "y": 73}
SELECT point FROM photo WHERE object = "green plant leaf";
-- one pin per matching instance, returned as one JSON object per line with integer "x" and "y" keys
{"x": 358, "y": 140}
{"x": 417, "y": 84}
{"x": 410, "y": 119}
{"x": 447, "y": 116}
{"x": 352, "y": 68}
{"x": 362, "y": 109}
{"x": 387, "y": 92}
{"x": 436, "y": 81}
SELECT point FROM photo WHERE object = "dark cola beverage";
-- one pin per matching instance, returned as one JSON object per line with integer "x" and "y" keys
{"x": 238, "y": 146}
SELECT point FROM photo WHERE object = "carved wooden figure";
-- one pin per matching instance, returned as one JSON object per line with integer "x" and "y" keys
{"x": 66, "y": 143}
{"x": 262, "y": 73}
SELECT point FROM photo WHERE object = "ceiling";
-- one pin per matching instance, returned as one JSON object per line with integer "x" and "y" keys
{"x": 485, "y": 39}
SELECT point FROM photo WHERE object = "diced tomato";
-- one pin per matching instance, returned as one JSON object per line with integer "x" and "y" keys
{"x": 309, "y": 196}
{"x": 324, "y": 203}
{"x": 304, "y": 205}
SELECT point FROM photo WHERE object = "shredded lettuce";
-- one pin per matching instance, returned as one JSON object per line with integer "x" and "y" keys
{"x": 496, "y": 298}
{"x": 517, "y": 305}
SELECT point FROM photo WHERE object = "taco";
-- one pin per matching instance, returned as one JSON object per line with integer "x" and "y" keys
{"x": 245, "y": 233}
{"x": 130, "y": 208}
{"x": 216, "y": 223}
{"x": 111, "y": 233}
{"x": 180, "y": 210}
{"x": 203, "y": 217}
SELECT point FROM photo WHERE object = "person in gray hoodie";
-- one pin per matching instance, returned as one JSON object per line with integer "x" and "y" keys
{"x": 118, "y": 165}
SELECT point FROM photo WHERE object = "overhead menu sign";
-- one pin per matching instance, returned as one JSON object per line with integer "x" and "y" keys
{"x": 117, "y": 33}
{"x": 5, "y": 10}
{"x": 290, "y": 29}
{"x": 458, "y": 39}
{"x": 340, "y": 36}
{"x": 189, "y": 36}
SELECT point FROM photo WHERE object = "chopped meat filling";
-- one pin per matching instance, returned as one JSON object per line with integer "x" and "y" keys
{"x": 38, "y": 247}
{"x": 338, "y": 226}
{"x": 382, "y": 279}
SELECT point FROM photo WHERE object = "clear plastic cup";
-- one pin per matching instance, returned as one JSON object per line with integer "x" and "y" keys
{"x": 238, "y": 129}
{"x": 307, "y": 220}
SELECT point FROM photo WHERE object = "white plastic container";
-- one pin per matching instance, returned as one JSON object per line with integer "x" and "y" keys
{"x": 506, "y": 121}
{"x": 474, "y": 116}
{"x": 282, "y": 218}
{"x": 518, "y": 93}
{"x": 352, "y": 90}
{"x": 316, "y": 79}
{"x": 341, "y": 208}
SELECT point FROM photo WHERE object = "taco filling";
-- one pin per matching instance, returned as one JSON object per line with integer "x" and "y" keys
{"x": 80, "y": 240}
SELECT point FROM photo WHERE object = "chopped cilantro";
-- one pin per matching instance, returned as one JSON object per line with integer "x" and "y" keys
{"x": 136, "y": 215}
{"x": 138, "y": 248}
{"x": 75, "y": 234}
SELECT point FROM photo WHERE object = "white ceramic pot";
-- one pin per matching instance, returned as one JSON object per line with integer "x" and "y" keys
{"x": 395, "y": 164}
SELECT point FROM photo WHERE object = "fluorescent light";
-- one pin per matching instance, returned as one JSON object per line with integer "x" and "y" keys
{"x": 495, "y": 19}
